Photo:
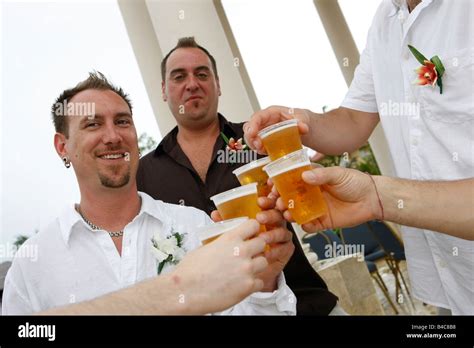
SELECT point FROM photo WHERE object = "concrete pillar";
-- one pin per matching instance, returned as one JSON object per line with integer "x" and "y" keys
{"x": 154, "y": 27}
{"x": 347, "y": 57}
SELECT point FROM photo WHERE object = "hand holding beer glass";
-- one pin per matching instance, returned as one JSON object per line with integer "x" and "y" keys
{"x": 282, "y": 142}
{"x": 270, "y": 116}
{"x": 278, "y": 237}
{"x": 281, "y": 138}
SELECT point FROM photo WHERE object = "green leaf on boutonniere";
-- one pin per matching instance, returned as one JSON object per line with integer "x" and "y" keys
{"x": 179, "y": 239}
{"x": 419, "y": 57}
{"x": 440, "y": 70}
{"x": 225, "y": 138}
{"x": 162, "y": 263}
{"x": 439, "y": 66}
{"x": 439, "y": 82}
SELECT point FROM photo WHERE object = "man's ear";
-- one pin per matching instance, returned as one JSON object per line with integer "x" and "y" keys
{"x": 60, "y": 144}
{"x": 218, "y": 88}
{"x": 163, "y": 91}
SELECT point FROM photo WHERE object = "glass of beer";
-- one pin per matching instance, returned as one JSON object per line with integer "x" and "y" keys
{"x": 304, "y": 201}
{"x": 238, "y": 202}
{"x": 281, "y": 139}
{"x": 208, "y": 233}
{"x": 253, "y": 172}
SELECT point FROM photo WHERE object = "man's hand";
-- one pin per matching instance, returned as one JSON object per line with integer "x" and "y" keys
{"x": 269, "y": 116}
{"x": 222, "y": 273}
{"x": 350, "y": 196}
{"x": 277, "y": 237}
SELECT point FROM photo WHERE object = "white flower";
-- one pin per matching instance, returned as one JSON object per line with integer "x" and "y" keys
{"x": 169, "y": 249}
{"x": 168, "y": 245}
{"x": 159, "y": 255}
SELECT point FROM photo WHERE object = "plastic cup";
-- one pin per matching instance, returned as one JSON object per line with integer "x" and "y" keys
{"x": 304, "y": 201}
{"x": 238, "y": 202}
{"x": 253, "y": 172}
{"x": 281, "y": 139}
{"x": 209, "y": 233}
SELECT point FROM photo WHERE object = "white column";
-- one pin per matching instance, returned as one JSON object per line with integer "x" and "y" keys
{"x": 154, "y": 27}
{"x": 347, "y": 57}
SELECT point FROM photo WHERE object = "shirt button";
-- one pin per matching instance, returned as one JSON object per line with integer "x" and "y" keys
{"x": 414, "y": 141}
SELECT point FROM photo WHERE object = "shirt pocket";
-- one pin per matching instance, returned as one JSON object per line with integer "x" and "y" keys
{"x": 456, "y": 104}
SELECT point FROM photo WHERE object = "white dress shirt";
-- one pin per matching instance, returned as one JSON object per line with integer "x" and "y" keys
{"x": 430, "y": 135}
{"x": 75, "y": 263}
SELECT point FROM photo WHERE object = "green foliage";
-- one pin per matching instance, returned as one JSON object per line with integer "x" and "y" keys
{"x": 362, "y": 159}
{"x": 146, "y": 143}
{"x": 20, "y": 240}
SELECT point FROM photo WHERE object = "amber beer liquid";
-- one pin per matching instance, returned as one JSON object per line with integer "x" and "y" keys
{"x": 238, "y": 202}
{"x": 281, "y": 139}
{"x": 213, "y": 231}
{"x": 253, "y": 172}
{"x": 304, "y": 201}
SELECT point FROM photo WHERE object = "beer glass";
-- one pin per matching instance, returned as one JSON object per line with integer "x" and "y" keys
{"x": 304, "y": 201}
{"x": 281, "y": 139}
{"x": 253, "y": 172}
{"x": 238, "y": 202}
{"x": 208, "y": 233}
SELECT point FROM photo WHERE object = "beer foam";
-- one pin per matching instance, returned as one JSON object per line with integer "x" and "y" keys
{"x": 234, "y": 193}
{"x": 277, "y": 127}
{"x": 252, "y": 165}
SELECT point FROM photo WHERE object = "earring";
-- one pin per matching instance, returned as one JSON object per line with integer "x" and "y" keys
{"x": 66, "y": 161}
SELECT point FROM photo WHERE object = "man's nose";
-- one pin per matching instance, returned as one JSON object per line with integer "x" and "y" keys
{"x": 192, "y": 84}
{"x": 111, "y": 135}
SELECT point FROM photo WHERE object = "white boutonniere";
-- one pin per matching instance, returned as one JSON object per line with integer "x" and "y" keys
{"x": 168, "y": 250}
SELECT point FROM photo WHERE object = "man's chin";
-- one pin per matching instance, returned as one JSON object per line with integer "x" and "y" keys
{"x": 114, "y": 181}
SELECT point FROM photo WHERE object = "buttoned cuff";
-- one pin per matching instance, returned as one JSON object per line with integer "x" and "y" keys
{"x": 282, "y": 298}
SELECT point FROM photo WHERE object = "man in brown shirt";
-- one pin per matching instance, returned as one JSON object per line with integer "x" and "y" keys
{"x": 187, "y": 167}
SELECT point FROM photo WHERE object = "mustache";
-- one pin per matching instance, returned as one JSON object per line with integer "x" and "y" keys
{"x": 111, "y": 148}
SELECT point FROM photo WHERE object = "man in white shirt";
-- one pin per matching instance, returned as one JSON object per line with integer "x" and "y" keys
{"x": 207, "y": 286}
{"x": 105, "y": 243}
{"x": 430, "y": 135}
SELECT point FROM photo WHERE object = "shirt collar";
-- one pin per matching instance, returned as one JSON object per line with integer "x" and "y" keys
{"x": 399, "y": 4}
{"x": 169, "y": 141}
{"x": 153, "y": 208}
{"x": 70, "y": 219}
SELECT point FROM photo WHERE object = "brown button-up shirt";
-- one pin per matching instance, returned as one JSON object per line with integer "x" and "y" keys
{"x": 168, "y": 175}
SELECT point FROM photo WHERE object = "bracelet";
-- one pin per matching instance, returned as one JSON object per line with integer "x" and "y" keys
{"x": 378, "y": 197}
